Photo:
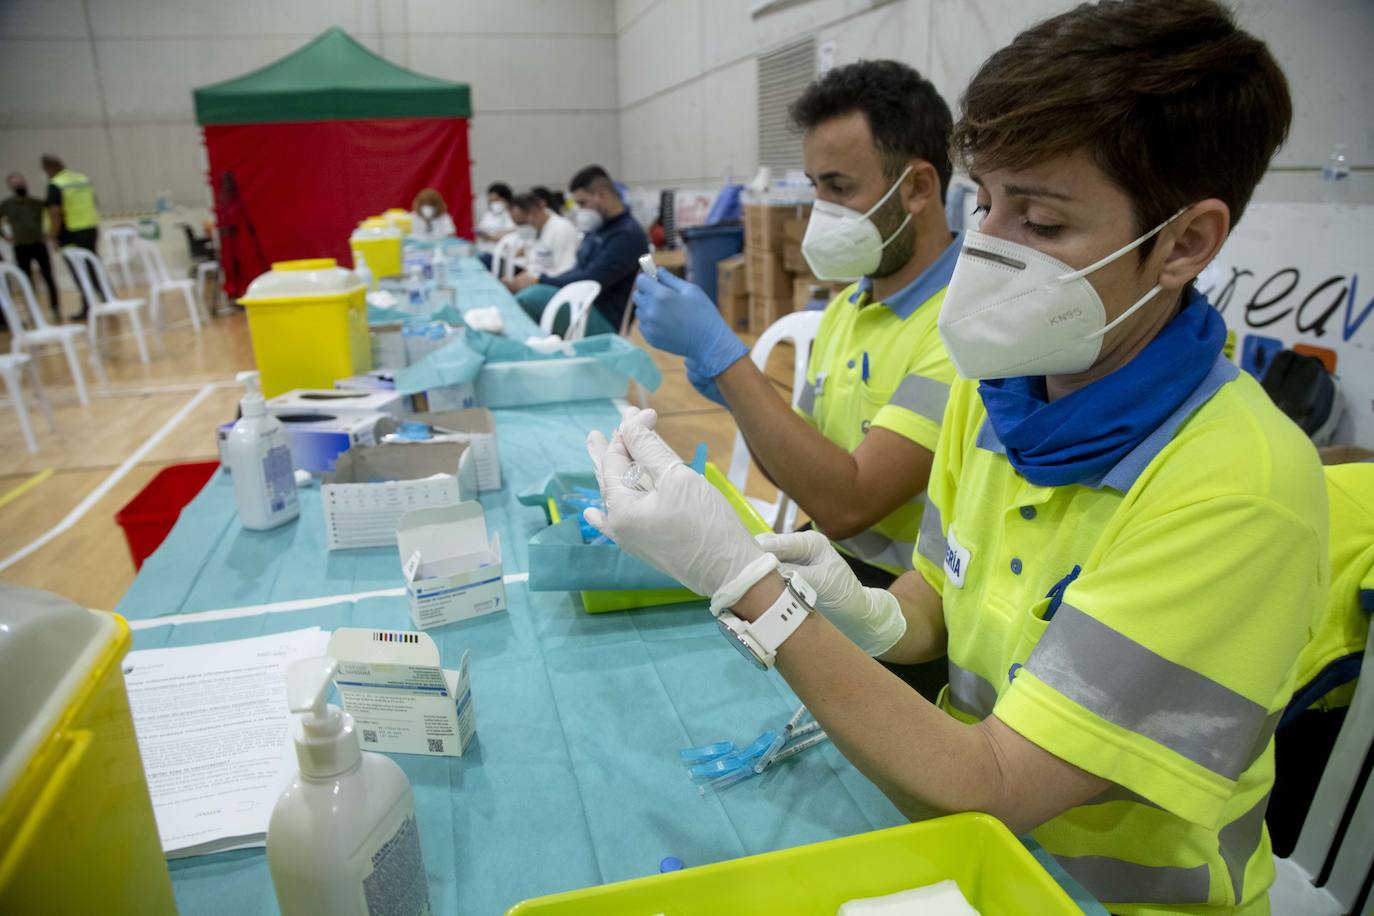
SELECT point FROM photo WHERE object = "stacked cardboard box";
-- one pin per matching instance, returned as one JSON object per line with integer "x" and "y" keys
{"x": 770, "y": 281}
{"x": 732, "y": 291}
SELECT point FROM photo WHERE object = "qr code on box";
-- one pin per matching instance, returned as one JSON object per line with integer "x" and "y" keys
{"x": 369, "y": 736}
{"x": 436, "y": 745}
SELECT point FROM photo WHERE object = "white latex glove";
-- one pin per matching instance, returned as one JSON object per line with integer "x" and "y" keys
{"x": 681, "y": 524}
{"x": 871, "y": 617}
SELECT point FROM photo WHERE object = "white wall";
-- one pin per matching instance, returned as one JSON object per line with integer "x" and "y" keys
{"x": 688, "y": 82}
{"x": 107, "y": 84}
{"x": 661, "y": 92}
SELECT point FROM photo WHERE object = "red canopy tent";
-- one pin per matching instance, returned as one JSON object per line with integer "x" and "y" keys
{"x": 305, "y": 147}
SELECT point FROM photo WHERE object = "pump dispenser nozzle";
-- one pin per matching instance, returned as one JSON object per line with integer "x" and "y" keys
{"x": 252, "y": 402}
{"x": 326, "y": 743}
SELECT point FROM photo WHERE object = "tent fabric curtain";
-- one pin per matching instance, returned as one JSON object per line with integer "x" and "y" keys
{"x": 302, "y": 187}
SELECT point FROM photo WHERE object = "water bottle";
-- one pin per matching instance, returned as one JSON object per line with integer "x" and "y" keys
{"x": 1336, "y": 176}
{"x": 415, "y": 290}
{"x": 439, "y": 266}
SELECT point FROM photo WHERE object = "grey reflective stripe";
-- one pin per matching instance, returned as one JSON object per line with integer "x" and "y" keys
{"x": 1118, "y": 881}
{"x": 874, "y": 547}
{"x": 1125, "y": 683}
{"x": 1239, "y": 840}
{"x": 931, "y": 541}
{"x": 807, "y": 402}
{"x": 970, "y": 693}
{"x": 923, "y": 395}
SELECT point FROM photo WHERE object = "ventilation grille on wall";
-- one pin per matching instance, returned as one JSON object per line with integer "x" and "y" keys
{"x": 783, "y": 74}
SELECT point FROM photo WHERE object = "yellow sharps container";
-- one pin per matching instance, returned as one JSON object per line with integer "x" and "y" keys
{"x": 308, "y": 320}
{"x": 378, "y": 240}
{"x": 399, "y": 218}
{"x": 77, "y": 833}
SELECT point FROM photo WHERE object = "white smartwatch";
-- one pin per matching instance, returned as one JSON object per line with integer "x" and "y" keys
{"x": 759, "y": 641}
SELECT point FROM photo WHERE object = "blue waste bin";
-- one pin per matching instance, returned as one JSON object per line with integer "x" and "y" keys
{"x": 708, "y": 245}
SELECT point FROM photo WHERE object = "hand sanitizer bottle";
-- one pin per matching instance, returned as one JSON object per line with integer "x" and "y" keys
{"x": 342, "y": 839}
{"x": 260, "y": 461}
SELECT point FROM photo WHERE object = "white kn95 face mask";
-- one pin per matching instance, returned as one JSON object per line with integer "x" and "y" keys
{"x": 844, "y": 244}
{"x": 1011, "y": 310}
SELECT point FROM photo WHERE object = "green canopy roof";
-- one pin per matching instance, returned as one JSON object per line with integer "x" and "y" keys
{"x": 331, "y": 79}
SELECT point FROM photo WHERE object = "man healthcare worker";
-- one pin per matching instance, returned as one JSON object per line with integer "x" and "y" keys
{"x": 1124, "y": 544}
{"x": 1331, "y": 663}
{"x": 876, "y": 146}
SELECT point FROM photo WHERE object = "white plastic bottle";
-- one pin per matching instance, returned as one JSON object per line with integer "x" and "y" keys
{"x": 439, "y": 265}
{"x": 342, "y": 840}
{"x": 260, "y": 461}
{"x": 415, "y": 290}
{"x": 362, "y": 270}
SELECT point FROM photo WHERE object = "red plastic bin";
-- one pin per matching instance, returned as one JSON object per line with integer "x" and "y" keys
{"x": 149, "y": 516}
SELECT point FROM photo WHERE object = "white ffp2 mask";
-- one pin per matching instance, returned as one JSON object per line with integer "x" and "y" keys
{"x": 1011, "y": 311}
{"x": 844, "y": 244}
{"x": 587, "y": 219}
{"x": 427, "y": 211}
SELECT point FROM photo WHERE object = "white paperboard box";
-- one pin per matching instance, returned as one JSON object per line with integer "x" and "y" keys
{"x": 402, "y": 701}
{"x": 336, "y": 402}
{"x": 475, "y": 426}
{"x": 372, "y": 487}
{"x": 452, "y": 571}
{"x": 388, "y": 346}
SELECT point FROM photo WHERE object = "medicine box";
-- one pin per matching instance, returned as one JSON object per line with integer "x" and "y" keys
{"x": 450, "y": 397}
{"x": 388, "y": 345}
{"x": 475, "y": 426}
{"x": 452, "y": 571}
{"x": 401, "y": 700}
{"x": 317, "y": 440}
{"x": 335, "y": 402}
{"x": 372, "y": 487}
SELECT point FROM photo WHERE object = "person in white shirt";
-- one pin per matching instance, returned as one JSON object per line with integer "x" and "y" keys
{"x": 429, "y": 218}
{"x": 550, "y": 241}
{"x": 496, "y": 222}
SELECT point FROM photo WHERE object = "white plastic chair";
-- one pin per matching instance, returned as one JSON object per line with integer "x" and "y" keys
{"x": 1344, "y": 859}
{"x": 503, "y": 260}
{"x": 11, "y": 367}
{"x": 120, "y": 240}
{"x": 578, "y": 297}
{"x": 800, "y": 328}
{"x": 160, "y": 281}
{"x": 23, "y": 339}
{"x": 84, "y": 266}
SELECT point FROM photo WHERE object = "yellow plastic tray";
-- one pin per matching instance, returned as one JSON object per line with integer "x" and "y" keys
{"x": 995, "y": 873}
{"x": 600, "y": 602}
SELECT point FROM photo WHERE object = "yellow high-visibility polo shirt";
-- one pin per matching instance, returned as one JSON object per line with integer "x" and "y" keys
{"x": 1331, "y": 662}
{"x": 1146, "y": 629}
{"x": 904, "y": 389}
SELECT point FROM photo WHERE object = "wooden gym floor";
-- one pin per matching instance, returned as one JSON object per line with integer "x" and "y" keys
{"x": 89, "y": 562}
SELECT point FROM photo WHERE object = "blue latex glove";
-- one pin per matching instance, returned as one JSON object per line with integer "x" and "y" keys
{"x": 678, "y": 317}
{"x": 705, "y": 385}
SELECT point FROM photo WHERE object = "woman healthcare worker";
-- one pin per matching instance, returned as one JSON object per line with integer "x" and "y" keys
{"x": 1124, "y": 547}
{"x": 430, "y": 220}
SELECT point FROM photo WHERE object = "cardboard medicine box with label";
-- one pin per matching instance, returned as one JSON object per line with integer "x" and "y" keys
{"x": 452, "y": 571}
{"x": 402, "y": 701}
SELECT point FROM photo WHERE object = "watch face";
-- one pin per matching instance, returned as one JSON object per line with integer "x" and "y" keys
{"x": 740, "y": 645}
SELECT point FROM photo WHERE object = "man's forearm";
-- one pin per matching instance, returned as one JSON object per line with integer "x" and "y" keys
{"x": 820, "y": 476}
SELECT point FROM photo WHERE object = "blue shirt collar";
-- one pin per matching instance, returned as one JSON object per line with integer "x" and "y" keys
{"x": 1123, "y": 475}
{"x": 909, "y": 298}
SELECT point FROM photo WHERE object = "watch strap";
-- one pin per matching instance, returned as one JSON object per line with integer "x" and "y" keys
{"x": 775, "y": 625}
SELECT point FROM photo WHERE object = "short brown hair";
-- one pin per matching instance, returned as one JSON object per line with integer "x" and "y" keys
{"x": 1171, "y": 100}
{"x": 433, "y": 198}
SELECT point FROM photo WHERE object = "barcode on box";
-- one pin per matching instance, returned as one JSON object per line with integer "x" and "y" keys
{"x": 436, "y": 745}
{"x": 369, "y": 736}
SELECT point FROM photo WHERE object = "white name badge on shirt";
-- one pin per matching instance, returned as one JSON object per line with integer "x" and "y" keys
{"x": 956, "y": 559}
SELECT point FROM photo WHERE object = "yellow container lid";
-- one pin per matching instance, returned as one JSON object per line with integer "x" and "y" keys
{"x": 48, "y": 646}
{"x": 320, "y": 278}
{"x": 306, "y": 264}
